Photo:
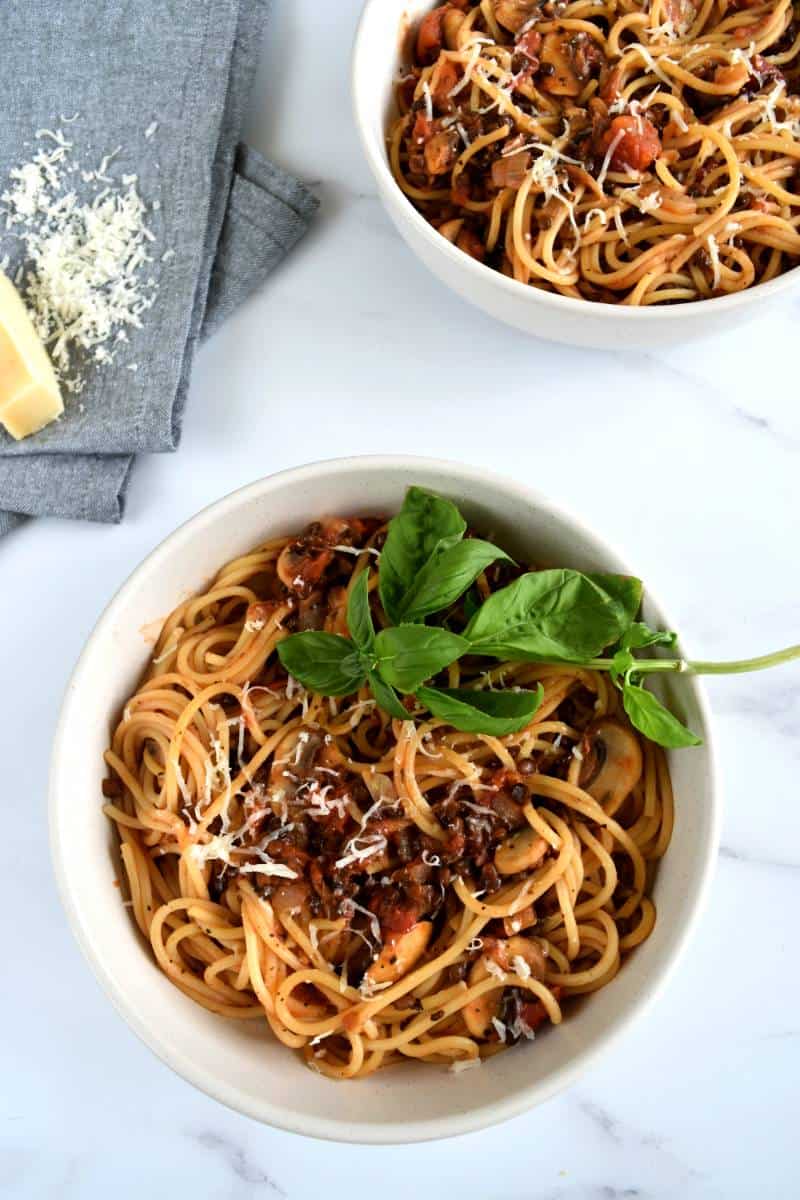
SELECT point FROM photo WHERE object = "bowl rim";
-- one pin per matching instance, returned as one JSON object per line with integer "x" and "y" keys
{"x": 325, "y": 1128}
{"x": 487, "y": 276}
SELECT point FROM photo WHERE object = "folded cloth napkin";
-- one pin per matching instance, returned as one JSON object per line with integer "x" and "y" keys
{"x": 166, "y": 81}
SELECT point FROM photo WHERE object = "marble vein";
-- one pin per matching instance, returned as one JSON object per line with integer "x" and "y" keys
{"x": 704, "y": 386}
{"x": 628, "y": 1138}
{"x": 237, "y": 1159}
{"x": 754, "y": 860}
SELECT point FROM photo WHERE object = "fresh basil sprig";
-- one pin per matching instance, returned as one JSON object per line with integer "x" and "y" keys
{"x": 560, "y": 616}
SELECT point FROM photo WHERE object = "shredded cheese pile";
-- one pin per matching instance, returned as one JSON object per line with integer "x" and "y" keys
{"x": 84, "y": 278}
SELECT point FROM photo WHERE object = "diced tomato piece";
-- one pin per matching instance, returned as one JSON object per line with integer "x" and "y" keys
{"x": 637, "y": 142}
{"x": 430, "y": 36}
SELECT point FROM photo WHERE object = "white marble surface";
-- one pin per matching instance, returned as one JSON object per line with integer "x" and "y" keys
{"x": 688, "y": 459}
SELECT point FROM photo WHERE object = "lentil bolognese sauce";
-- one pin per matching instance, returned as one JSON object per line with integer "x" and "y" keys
{"x": 379, "y": 885}
{"x": 612, "y": 150}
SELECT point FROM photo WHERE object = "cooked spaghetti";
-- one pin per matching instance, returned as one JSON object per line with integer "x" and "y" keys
{"x": 610, "y": 150}
{"x": 377, "y": 890}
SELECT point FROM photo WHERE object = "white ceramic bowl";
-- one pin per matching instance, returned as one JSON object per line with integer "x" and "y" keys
{"x": 560, "y": 318}
{"x": 239, "y": 1063}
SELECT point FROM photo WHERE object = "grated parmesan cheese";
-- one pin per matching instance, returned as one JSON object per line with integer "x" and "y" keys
{"x": 84, "y": 255}
{"x": 360, "y": 848}
{"x": 713, "y": 253}
{"x": 348, "y": 908}
{"x": 615, "y": 141}
{"x": 587, "y": 220}
{"x": 471, "y": 64}
{"x": 650, "y": 62}
{"x": 521, "y": 967}
{"x": 356, "y": 550}
{"x": 426, "y": 92}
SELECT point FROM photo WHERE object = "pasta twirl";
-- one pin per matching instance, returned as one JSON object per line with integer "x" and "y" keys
{"x": 377, "y": 890}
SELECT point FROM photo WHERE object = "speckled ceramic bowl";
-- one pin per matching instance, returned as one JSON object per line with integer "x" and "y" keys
{"x": 238, "y": 1062}
{"x": 544, "y": 314}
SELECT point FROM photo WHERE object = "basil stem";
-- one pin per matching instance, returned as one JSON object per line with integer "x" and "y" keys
{"x": 683, "y": 666}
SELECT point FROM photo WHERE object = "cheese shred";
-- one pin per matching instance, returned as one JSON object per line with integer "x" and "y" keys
{"x": 84, "y": 279}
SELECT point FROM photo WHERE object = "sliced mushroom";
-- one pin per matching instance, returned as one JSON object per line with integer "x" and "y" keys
{"x": 478, "y": 1014}
{"x": 400, "y": 952}
{"x": 612, "y": 762}
{"x": 301, "y": 564}
{"x": 530, "y": 953}
{"x": 520, "y": 852}
{"x": 559, "y": 76}
{"x": 513, "y": 14}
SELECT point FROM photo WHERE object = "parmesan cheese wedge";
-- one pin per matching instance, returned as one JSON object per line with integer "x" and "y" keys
{"x": 29, "y": 394}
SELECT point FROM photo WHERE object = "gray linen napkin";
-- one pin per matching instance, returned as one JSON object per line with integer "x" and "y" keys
{"x": 227, "y": 215}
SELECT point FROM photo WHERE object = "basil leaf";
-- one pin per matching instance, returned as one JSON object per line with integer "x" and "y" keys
{"x": 425, "y": 523}
{"x": 359, "y": 618}
{"x": 639, "y": 635}
{"x": 624, "y": 590}
{"x": 482, "y": 711}
{"x": 446, "y": 576}
{"x": 557, "y": 614}
{"x": 407, "y": 655}
{"x": 648, "y": 715}
{"x": 323, "y": 662}
{"x": 472, "y": 602}
{"x": 387, "y": 697}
